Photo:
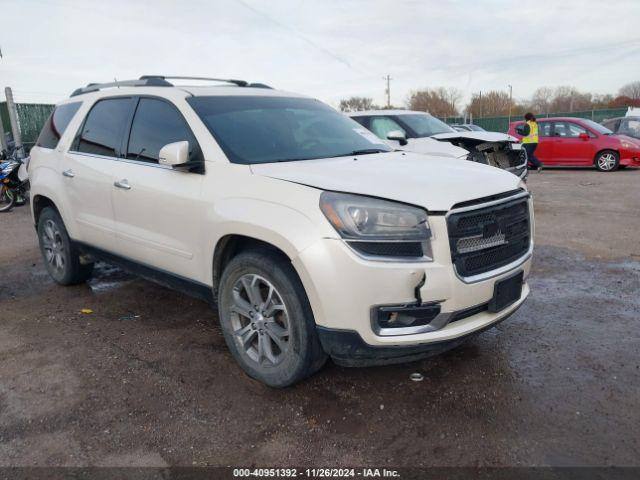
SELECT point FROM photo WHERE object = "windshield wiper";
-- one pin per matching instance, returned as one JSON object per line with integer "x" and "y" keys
{"x": 364, "y": 151}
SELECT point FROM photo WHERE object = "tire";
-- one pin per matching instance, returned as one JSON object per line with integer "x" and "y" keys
{"x": 7, "y": 199}
{"x": 607, "y": 161}
{"x": 60, "y": 254}
{"x": 277, "y": 342}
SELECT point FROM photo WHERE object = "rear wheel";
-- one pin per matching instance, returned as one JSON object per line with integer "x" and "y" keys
{"x": 61, "y": 256}
{"x": 607, "y": 161}
{"x": 267, "y": 320}
{"x": 7, "y": 198}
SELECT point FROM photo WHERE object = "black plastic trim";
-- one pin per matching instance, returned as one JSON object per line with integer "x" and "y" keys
{"x": 347, "y": 348}
{"x": 162, "y": 277}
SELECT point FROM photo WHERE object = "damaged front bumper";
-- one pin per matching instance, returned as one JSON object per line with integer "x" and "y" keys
{"x": 345, "y": 292}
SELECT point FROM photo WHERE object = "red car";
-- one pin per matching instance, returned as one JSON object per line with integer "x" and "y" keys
{"x": 568, "y": 141}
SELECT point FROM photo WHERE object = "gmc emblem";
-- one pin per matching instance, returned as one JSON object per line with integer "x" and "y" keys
{"x": 490, "y": 229}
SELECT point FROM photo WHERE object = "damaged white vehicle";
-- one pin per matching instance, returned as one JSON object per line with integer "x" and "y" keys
{"x": 423, "y": 133}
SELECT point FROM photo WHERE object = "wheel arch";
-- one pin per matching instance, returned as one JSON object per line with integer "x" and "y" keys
{"x": 233, "y": 244}
{"x": 38, "y": 204}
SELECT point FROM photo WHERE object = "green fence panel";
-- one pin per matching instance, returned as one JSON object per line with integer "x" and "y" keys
{"x": 4, "y": 116}
{"x": 501, "y": 124}
{"x": 31, "y": 118}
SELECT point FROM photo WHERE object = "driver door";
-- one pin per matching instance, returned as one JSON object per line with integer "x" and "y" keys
{"x": 158, "y": 210}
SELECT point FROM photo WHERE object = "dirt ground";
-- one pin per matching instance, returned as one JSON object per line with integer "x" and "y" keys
{"x": 146, "y": 378}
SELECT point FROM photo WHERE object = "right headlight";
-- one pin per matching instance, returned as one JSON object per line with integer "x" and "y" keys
{"x": 379, "y": 228}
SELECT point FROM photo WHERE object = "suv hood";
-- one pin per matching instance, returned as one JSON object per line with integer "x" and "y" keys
{"x": 481, "y": 136}
{"x": 435, "y": 183}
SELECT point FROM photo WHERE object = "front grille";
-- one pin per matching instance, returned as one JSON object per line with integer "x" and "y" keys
{"x": 488, "y": 238}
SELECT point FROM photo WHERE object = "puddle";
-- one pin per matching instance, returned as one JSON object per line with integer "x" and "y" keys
{"x": 107, "y": 277}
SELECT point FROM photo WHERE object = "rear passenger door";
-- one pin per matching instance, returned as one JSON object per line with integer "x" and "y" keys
{"x": 158, "y": 209}
{"x": 88, "y": 168}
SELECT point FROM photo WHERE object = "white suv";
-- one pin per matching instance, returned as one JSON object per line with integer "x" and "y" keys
{"x": 313, "y": 237}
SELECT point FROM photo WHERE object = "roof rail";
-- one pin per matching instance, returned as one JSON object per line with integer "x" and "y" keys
{"x": 160, "y": 81}
{"x": 240, "y": 83}
{"x": 142, "y": 82}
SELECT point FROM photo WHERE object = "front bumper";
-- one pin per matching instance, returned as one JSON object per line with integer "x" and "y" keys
{"x": 347, "y": 348}
{"x": 343, "y": 288}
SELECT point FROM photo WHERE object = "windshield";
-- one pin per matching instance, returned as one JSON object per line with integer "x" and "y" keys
{"x": 601, "y": 129}
{"x": 252, "y": 129}
{"x": 424, "y": 125}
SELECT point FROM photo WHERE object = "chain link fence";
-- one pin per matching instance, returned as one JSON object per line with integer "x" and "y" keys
{"x": 31, "y": 118}
{"x": 501, "y": 124}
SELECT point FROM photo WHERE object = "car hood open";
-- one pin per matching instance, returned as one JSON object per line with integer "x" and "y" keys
{"x": 480, "y": 136}
{"x": 433, "y": 182}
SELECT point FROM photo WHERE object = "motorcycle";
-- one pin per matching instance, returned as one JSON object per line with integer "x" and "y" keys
{"x": 14, "y": 180}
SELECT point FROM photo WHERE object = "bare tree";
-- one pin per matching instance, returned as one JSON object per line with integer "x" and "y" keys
{"x": 631, "y": 90}
{"x": 569, "y": 99}
{"x": 493, "y": 103}
{"x": 440, "y": 101}
{"x": 541, "y": 100}
{"x": 356, "y": 104}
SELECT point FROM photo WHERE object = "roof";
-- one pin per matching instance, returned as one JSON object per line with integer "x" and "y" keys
{"x": 180, "y": 91}
{"x": 558, "y": 119}
{"x": 367, "y": 113}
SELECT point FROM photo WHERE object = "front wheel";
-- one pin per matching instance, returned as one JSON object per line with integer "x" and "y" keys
{"x": 267, "y": 320}
{"x": 607, "y": 161}
{"x": 7, "y": 198}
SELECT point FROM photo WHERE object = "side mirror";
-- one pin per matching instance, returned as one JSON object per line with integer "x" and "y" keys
{"x": 584, "y": 136}
{"x": 398, "y": 136}
{"x": 174, "y": 154}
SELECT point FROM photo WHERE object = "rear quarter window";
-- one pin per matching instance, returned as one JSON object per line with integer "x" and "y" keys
{"x": 56, "y": 125}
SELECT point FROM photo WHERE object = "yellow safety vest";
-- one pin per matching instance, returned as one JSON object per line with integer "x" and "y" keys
{"x": 533, "y": 133}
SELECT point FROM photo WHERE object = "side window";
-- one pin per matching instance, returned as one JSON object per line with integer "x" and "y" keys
{"x": 56, "y": 125}
{"x": 381, "y": 126}
{"x": 630, "y": 127}
{"x": 559, "y": 129}
{"x": 155, "y": 124}
{"x": 612, "y": 125}
{"x": 544, "y": 129}
{"x": 102, "y": 131}
{"x": 574, "y": 130}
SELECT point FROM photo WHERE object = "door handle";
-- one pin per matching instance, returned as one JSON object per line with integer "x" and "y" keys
{"x": 68, "y": 173}
{"x": 124, "y": 184}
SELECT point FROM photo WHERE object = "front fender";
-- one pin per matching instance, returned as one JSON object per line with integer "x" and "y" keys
{"x": 284, "y": 227}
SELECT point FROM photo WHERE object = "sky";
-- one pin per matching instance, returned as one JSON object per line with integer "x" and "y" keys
{"x": 328, "y": 49}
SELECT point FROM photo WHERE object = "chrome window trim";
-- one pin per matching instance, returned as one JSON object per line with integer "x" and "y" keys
{"x": 506, "y": 268}
{"x": 125, "y": 160}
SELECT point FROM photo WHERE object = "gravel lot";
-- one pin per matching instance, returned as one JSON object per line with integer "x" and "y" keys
{"x": 147, "y": 380}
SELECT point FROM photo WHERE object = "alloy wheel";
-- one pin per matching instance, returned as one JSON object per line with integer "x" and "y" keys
{"x": 607, "y": 161}
{"x": 260, "y": 320}
{"x": 53, "y": 246}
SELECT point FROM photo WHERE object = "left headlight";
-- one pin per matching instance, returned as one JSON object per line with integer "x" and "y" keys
{"x": 379, "y": 228}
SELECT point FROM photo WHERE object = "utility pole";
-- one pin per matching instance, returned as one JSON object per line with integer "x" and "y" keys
{"x": 3, "y": 139}
{"x": 388, "y": 90}
{"x": 480, "y": 101}
{"x": 510, "y": 102}
{"x": 13, "y": 118}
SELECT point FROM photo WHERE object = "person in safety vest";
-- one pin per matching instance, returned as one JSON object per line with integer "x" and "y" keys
{"x": 530, "y": 141}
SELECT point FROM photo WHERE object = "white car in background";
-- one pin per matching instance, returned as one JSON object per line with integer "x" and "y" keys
{"x": 423, "y": 133}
